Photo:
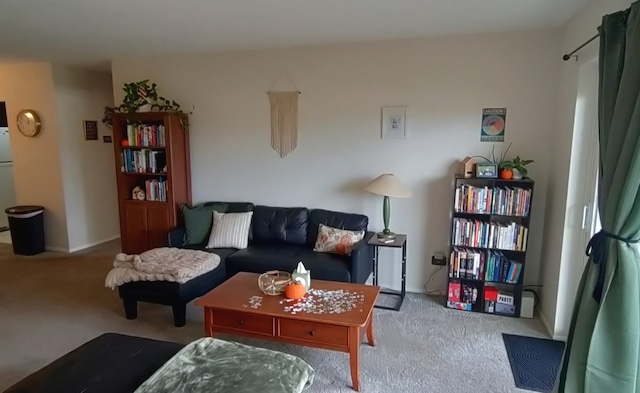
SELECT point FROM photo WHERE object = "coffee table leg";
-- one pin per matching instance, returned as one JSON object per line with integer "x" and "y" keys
{"x": 354, "y": 353}
{"x": 208, "y": 322}
{"x": 370, "y": 338}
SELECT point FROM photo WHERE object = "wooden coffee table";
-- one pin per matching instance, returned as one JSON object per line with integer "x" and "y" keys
{"x": 227, "y": 309}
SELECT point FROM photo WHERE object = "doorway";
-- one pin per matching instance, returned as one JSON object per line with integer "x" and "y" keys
{"x": 7, "y": 184}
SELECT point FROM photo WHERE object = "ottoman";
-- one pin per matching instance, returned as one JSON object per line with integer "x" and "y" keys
{"x": 170, "y": 293}
{"x": 110, "y": 363}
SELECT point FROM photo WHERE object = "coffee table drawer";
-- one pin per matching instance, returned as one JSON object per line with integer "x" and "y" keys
{"x": 243, "y": 322}
{"x": 314, "y": 332}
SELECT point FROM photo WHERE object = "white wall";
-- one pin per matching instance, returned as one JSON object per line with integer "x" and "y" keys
{"x": 444, "y": 82}
{"x": 88, "y": 169}
{"x": 558, "y": 289}
{"x": 37, "y": 170}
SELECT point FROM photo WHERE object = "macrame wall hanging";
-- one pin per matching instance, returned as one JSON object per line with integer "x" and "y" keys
{"x": 284, "y": 120}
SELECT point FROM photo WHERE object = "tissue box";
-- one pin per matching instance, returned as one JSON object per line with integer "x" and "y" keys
{"x": 306, "y": 276}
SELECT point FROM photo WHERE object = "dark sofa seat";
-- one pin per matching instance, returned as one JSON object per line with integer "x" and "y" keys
{"x": 261, "y": 258}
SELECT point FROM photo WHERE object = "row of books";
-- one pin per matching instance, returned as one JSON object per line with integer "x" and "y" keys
{"x": 501, "y": 269}
{"x": 489, "y": 266}
{"x": 467, "y": 296}
{"x": 507, "y": 201}
{"x": 464, "y": 296}
{"x": 156, "y": 190}
{"x": 482, "y": 234}
{"x": 143, "y": 161}
{"x": 145, "y": 135}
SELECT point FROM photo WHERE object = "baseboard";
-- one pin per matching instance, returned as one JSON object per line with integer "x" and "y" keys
{"x": 56, "y": 249}
{"x": 93, "y": 244}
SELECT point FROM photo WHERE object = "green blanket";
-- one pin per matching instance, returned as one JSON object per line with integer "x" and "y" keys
{"x": 211, "y": 365}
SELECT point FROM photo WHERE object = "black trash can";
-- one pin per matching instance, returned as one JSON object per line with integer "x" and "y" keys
{"x": 27, "y": 229}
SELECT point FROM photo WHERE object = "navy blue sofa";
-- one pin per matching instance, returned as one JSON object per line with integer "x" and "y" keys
{"x": 279, "y": 238}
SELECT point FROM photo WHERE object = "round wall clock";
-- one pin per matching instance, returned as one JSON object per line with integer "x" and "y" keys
{"x": 29, "y": 122}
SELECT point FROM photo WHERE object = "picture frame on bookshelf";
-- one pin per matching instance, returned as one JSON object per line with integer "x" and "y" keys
{"x": 90, "y": 128}
{"x": 487, "y": 170}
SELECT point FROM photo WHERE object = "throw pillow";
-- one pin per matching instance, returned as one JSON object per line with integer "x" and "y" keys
{"x": 336, "y": 240}
{"x": 198, "y": 221}
{"x": 230, "y": 230}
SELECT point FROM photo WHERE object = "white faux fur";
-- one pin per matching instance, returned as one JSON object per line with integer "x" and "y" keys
{"x": 161, "y": 264}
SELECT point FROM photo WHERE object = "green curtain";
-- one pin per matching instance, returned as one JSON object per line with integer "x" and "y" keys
{"x": 603, "y": 348}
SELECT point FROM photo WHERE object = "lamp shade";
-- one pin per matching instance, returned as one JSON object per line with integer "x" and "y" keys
{"x": 388, "y": 185}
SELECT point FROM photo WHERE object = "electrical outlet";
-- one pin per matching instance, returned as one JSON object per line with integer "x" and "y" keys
{"x": 439, "y": 259}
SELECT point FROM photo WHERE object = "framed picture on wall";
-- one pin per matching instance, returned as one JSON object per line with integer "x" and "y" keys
{"x": 90, "y": 130}
{"x": 394, "y": 122}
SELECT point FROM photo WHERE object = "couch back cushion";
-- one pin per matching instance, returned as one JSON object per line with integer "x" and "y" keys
{"x": 229, "y": 207}
{"x": 279, "y": 225}
{"x": 198, "y": 219}
{"x": 348, "y": 221}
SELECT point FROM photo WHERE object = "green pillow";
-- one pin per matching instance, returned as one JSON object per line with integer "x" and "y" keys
{"x": 198, "y": 221}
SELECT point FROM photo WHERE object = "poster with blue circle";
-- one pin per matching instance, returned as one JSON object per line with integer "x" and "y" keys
{"x": 493, "y": 124}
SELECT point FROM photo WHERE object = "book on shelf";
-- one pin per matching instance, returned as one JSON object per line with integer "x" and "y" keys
{"x": 156, "y": 190}
{"x": 145, "y": 135}
{"x": 506, "y": 201}
{"x": 143, "y": 161}
{"x": 483, "y": 234}
{"x": 464, "y": 296}
{"x": 489, "y": 266}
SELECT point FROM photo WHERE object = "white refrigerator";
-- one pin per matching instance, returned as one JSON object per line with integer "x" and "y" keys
{"x": 7, "y": 185}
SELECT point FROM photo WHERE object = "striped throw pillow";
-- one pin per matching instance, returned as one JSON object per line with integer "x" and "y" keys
{"x": 230, "y": 230}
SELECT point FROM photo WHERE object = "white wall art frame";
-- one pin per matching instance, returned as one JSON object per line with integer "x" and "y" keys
{"x": 394, "y": 122}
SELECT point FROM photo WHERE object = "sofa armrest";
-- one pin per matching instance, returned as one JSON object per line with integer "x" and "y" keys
{"x": 177, "y": 237}
{"x": 362, "y": 260}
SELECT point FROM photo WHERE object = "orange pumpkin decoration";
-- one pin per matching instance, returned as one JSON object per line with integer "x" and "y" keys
{"x": 506, "y": 174}
{"x": 295, "y": 290}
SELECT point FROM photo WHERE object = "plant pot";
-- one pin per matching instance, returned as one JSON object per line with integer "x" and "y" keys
{"x": 516, "y": 174}
{"x": 506, "y": 174}
{"x": 144, "y": 108}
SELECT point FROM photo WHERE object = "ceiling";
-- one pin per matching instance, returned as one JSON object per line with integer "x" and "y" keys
{"x": 90, "y": 32}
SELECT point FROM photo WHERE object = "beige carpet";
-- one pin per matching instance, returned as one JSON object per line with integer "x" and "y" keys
{"x": 52, "y": 303}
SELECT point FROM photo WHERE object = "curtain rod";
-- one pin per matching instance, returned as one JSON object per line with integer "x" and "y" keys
{"x": 569, "y": 55}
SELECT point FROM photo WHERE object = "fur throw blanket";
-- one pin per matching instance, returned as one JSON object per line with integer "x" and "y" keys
{"x": 161, "y": 264}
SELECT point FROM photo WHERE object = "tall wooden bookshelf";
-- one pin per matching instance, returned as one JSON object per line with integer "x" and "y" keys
{"x": 151, "y": 152}
{"x": 490, "y": 223}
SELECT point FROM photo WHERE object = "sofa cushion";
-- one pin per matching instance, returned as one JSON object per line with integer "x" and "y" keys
{"x": 231, "y": 207}
{"x": 197, "y": 222}
{"x": 348, "y": 221}
{"x": 337, "y": 241}
{"x": 199, "y": 218}
{"x": 285, "y": 257}
{"x": 279, "y": 225}
{"x": 230, "y": 230}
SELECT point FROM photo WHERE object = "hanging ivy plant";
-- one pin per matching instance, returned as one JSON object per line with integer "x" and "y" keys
{"x": 143, "y": 97}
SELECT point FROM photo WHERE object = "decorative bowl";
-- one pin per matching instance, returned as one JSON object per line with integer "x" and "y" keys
{"x": 273, "y": 282}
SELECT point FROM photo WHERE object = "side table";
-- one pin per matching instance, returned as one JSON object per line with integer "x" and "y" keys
{"x": 400, "y": 241}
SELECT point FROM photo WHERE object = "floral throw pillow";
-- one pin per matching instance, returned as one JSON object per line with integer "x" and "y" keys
{"x": 337, "y": 241}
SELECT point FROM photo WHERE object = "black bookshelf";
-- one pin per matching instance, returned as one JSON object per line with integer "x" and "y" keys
{"x": 490, "y": 221}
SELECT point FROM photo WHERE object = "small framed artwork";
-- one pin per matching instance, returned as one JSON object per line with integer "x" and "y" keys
{"x": 394, "y": 122}
{"x": 489, "y": 171}
{"x": 90, "y": 130}
{"x": 106, "y": 139}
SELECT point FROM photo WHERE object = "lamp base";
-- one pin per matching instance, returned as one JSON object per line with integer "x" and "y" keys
{"x": 386, "y": 235}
